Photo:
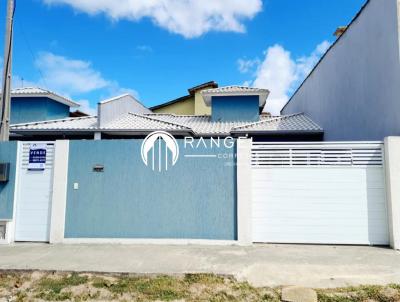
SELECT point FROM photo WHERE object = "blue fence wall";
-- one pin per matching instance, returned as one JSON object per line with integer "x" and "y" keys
{"x": 195, "y": 199}
{"x": 8, "y": 154}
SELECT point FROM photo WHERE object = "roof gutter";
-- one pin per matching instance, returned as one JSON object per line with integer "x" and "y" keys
{"x": 281, "y": 132}
{"x": 80, "y": 131}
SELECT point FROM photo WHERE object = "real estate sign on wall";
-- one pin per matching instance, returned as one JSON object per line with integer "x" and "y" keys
{"x": 37, "y": 157}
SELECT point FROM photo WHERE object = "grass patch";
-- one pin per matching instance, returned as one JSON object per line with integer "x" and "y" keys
{"x": 52, "y": 288}
{"x": 161, "y": 287}
{"x": 390, "y": 293}
{"x": 15, "y": 286}
{"x": 204, "y": 279}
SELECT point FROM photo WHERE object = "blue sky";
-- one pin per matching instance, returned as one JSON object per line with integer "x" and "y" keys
{"x": 90, "y": 51}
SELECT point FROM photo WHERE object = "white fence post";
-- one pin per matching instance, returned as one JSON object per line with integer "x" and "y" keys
{"x": 244, "y": 194}
{"x": 392, "y": 171}
{"x": 59, "y": 197}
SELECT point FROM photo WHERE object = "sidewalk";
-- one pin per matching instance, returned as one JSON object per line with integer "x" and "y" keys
{"x": 261, "y": 265}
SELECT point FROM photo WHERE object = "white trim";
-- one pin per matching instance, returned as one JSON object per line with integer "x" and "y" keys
{"x": 149, "y": 241}
{"x": 116, "y": 98}
{"x": 46, "y": 94}
{"x": 392, "y": 175}
{"x": 224, "y": 91}
{"x": 244, "y": 192}
{"x": 317, "y": 155}
{"x": 59, "y": 196}
{"x": 11, "y": 224}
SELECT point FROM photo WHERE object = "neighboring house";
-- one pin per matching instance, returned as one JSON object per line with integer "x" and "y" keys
{"x": 36, "y": 104}
{"x": 235, "y": 112}
{"x": 77, "y": 113}
{"x": 191, "y": 104}
{"x": 354, "y": 91}
{"x": 112, "y": 108}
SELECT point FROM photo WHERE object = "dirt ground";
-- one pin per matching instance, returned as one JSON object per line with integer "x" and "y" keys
{"x": 57, "y": 286}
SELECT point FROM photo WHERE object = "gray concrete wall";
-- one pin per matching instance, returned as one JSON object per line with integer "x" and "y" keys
{"x": 354, "y": 93}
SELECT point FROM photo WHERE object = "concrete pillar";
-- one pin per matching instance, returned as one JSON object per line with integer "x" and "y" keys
{"x": 59, "y": 197}
{"x": 244, "y": 194}
{"x": 97, "y": 136}
{"x": 392, "y": 173}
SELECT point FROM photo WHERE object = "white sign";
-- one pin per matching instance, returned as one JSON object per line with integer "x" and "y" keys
{"x": 37, "y": 157}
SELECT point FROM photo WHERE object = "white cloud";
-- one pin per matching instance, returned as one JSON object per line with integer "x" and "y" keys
{"x": 114, "y": 89}
{"x": 73, "y": 77}
{"x": 306, "y": 64}
{"x": 87, "y": 107}
{"x": 246, "y": 66}
{"x": 189, "y": 18}
{"x": 69, "y": 76}
{"x": 282, "y": 74}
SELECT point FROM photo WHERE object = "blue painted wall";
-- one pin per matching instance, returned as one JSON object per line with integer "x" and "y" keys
{"x": 8, "y": 154}
{"x": 25, "y": 110}
{"x": 235, "y": 108}
{"x": 195, "y": 199}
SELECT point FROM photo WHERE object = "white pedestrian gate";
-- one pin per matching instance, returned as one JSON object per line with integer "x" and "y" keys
{"x": 324, "y": 193}
{"x": 34, "y": 192}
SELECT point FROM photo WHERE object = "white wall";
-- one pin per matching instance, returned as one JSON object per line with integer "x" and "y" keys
{"x": 113, "y": 108}
{"x": 392, "y": 169}
{"x": 354, "y": 93}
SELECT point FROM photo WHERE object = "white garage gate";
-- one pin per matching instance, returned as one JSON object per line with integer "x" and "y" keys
{"x": 34, "y": 192}
{"x": 329, "y": 193}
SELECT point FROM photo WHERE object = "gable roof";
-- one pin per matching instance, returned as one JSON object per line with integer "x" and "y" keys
{"x": 211, "y": 84}
{"x": 125, "y": 95}
{"x": 191, "y": 91}
{"x": 39, "y": 92}
{"x": 198, "y": 125}
{"x": 181, "y": 99}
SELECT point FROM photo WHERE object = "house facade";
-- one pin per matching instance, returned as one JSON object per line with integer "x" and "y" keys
{"x": 233, "y": 177}
{"x": 235, "y": 111}
{"x": 191, "y": 104}
{"x": 353, "y": 93}
{"x": 36, "y": 104}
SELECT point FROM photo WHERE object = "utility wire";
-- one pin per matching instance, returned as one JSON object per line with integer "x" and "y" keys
{"x": 34, "y": 58}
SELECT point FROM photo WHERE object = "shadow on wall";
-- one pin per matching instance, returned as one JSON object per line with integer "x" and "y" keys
{"x": 378, "y": 227}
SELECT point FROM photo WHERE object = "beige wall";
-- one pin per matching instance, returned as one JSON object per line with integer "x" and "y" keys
{"x": 200, "y": 107}
{"x": 185, "y": 107}
{"x": 192, "y": 106}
